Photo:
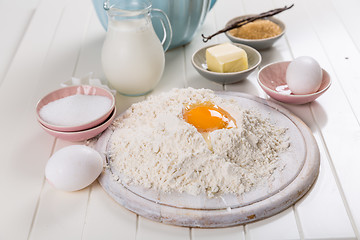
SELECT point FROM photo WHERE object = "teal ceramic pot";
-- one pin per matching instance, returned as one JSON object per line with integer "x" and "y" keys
{"x": 185, "y": 17}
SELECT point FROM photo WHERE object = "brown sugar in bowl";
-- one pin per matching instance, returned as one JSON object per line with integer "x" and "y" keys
{"x": 251, "y": 34}
{"x": 259, "y": 29}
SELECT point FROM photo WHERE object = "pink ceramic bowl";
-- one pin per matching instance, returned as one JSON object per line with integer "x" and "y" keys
{"x": 69, "y": 91}
{"x": 272, "y": 79}
{"x": 78, "y": 136}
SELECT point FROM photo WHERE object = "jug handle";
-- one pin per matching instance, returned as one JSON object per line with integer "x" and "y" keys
{"x": 165, "y": 23}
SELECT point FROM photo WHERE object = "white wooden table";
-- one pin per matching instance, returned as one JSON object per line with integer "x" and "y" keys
{"x": 45, "y": 42}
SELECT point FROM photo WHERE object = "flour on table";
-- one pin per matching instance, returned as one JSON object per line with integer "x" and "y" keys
{"x": 152, "y": 146}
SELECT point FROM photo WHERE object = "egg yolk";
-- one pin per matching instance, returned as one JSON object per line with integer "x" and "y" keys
{"x": 207, "y": 117}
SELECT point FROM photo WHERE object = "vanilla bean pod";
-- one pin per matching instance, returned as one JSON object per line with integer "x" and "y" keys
{"x": 247, "y": 20}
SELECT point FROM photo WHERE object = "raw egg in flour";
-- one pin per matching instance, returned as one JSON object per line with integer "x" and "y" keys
{"x": 207, "y": 117}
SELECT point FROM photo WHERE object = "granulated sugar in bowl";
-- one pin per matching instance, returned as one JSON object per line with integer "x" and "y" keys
{"x": 75, "y": 108}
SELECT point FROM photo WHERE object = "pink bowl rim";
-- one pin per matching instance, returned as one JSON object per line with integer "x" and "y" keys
{"x": 81, "y": 135}
{"x": 290, "y": 95}
{"x": 87, "y": 125}
{"x": 107, "y": 121}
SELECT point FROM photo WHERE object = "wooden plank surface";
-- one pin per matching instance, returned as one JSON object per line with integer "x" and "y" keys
{"x": 326, "y": 115}
{"x": 149, "y": 230}
{"x": 345, "y": 62}
{"x": 42, "y": 50}
{"x": 19, "y": 15}
{"x": 23, "y": 159}
{"x": 105, "y": 219}
{"x": 233, "y": 233}
{"x": 273, "y": 227}
{"x": 52, "y": 203}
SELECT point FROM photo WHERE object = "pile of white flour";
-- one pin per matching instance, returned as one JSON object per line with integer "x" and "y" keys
{"x": 154, "y": 147}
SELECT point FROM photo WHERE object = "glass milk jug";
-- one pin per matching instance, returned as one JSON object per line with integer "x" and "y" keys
{"x": 132, "y": 55}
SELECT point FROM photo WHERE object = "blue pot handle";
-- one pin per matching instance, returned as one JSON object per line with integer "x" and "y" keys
{"x": 212, "y": 3}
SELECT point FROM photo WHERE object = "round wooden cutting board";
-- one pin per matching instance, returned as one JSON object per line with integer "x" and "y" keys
{"x": 298, "y": 171}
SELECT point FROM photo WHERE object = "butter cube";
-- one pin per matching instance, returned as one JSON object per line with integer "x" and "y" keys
{"x": 225, "y": 58}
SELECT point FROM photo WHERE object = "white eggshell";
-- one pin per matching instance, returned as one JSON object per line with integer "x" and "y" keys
{"x": 304, "y": 75}
{"x": 73, "y": 168}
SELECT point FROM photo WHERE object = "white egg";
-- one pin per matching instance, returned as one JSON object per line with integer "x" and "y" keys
{"x": 304, "y": 75}
{"x": 73, "y": 168}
